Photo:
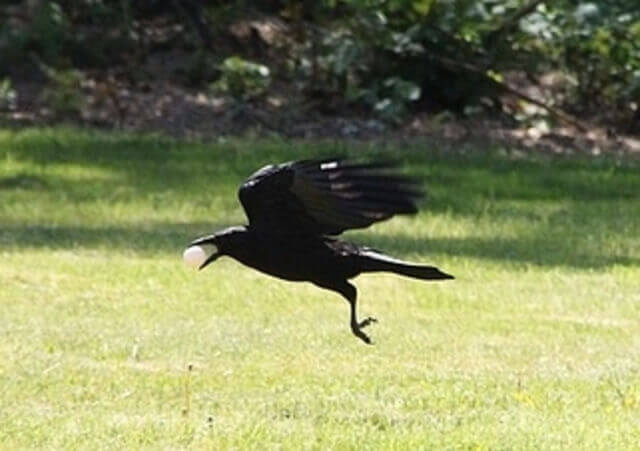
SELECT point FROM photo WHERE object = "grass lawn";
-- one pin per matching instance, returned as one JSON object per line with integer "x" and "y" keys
{"x": 536, "y": 345}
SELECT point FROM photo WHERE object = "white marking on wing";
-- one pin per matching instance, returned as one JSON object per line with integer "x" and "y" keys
{"x": 383, "y": 257}
{"x": 330, "y": 165}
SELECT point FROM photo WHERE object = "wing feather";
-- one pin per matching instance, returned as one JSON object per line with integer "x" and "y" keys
{"x": 326, "y": 196}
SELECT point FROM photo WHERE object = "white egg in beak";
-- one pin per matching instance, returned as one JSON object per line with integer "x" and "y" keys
{"x": 194, "y": 256}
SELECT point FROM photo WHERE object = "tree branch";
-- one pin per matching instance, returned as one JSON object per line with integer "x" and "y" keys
{"x": 565, "y": 117}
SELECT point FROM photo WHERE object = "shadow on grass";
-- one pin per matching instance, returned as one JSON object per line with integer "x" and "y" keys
{"x": 535, "y": 250}
{"x": 470, "y": 186}
{"x": 152, "y": 239}
{"x": 158, "y": 238}
{"x": 454, "y": 180}
{"x": 23, "y": 181}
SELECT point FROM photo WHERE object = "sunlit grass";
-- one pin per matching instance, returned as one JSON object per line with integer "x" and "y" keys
{"x": 535, "y": 345}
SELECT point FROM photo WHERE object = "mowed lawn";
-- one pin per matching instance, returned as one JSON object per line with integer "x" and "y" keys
{"x": 535, "y": 345}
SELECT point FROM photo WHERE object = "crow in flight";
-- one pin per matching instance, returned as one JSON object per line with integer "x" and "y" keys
{"x": 295, "y": 209}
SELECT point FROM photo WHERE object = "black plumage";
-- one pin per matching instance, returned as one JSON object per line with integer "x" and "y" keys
{"x": 295, "y": 209}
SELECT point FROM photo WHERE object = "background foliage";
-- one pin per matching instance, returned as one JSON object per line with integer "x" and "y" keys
{"x": 388, "y": 57}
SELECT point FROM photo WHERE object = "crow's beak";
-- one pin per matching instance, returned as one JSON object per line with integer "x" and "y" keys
{"x": 211, "y": 258}
{"x": 207, "y": 240}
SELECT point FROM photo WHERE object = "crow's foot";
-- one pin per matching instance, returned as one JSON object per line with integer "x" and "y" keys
{"x": 361, "y": 335}
{"x": 366, "y": 322}
{"x": 356, "y": 328}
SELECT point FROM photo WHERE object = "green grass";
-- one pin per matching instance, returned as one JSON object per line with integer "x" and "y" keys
{"x": 536, "y": 345}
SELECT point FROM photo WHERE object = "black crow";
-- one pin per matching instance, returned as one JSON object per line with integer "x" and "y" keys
{"x": 295, "y": 209}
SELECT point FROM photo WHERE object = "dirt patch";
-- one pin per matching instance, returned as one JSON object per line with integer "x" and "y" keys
{"x": 166, "y": 107}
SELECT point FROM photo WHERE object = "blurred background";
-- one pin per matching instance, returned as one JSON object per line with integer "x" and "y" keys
{"x": 552, "y": 74}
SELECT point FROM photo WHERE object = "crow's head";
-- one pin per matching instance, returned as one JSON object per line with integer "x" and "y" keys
{"x": 223, "y": 240}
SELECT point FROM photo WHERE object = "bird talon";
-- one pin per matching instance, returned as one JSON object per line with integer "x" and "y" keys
{"x": 366, "y": 322}
{"x": 356, "y": 329}
{"x": 364, "y": 337}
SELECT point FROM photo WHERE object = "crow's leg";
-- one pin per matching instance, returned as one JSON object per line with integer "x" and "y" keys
{"x": 351, "y": 294}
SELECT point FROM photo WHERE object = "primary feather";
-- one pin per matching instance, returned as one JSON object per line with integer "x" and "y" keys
{"x": 326, "y": 197}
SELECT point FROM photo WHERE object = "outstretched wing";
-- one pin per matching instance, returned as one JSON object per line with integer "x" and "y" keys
{"x": 326, "y": 197}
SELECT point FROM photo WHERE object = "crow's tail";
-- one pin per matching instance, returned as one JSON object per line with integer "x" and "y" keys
{"x": 373, "y": 261}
